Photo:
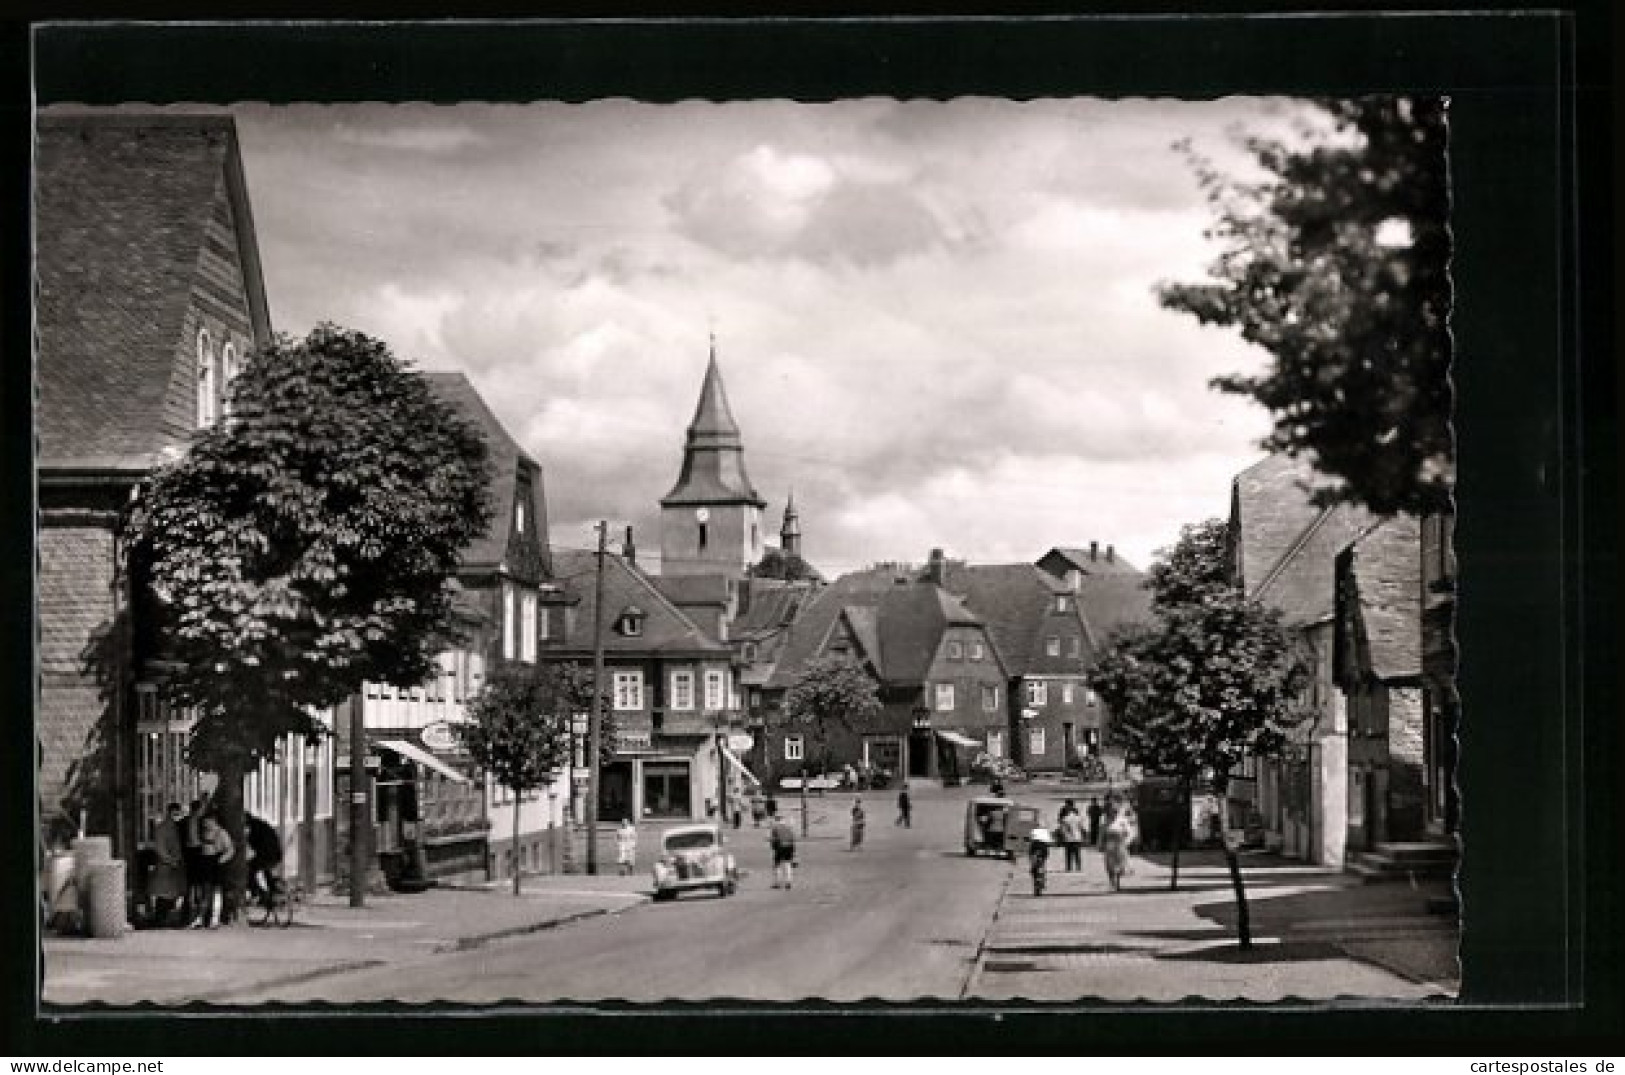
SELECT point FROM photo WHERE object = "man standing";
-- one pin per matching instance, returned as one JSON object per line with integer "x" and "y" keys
{"x": 859, "y": 820}
{"x": 1069, "y": 828}
{"x": 905, "y": 809}
{"x": 1095, "y": 812}
{"x": 168, "y": 883}
{"x": 781, "y": 837}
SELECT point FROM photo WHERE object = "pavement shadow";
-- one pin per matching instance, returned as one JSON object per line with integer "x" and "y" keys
{"x": 1233, "y": 953}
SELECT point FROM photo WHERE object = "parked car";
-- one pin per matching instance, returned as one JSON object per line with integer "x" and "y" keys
{"x": 998, "y": 826}
{"x": 693, "y": 856}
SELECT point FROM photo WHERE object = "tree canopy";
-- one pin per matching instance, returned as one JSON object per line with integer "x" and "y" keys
{"x": 519, "y": 727}
{"x": 1214, "y": 679}
{"x": 778, "y": 564}
{"x": 303, "y": 545}
{"x": 1337, "y": 265}
{"x": 830, "y": 692}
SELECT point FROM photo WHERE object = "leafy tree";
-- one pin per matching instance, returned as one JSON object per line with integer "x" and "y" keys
{"x": 1214, "y": 680}
{"x": 303, "y": 545}
{"x": 1198, "y": 565}
{"x": 830, "y": 692}
{"x": 1337, "y": 265}
{"x": 778, "y": 564}
{"x": 519, "y": 727}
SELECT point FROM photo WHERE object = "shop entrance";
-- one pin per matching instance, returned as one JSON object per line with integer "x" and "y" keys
{"x": 666, "y": 791}
{"x": 615, "y": 791}
{"x": 920, "y": 748}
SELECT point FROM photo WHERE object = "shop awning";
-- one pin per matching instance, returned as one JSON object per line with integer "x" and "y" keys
{"x": 958, "y": 740}
{"x": 731, "y": 756}
{"x": 424, "y": 758}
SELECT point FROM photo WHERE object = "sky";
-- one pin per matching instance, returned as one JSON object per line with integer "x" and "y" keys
{"x": 935, "y": 320}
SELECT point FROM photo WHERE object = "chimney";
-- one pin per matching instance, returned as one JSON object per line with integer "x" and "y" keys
{"x": 1109, "y": 553}
{"x": 934, "y": 569}
{"x": 1094, "y": 550}
{"x": 629, "y": 550}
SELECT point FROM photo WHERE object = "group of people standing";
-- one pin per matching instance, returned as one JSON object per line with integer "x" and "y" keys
{"x": 1112, "y": 827}
{"x": 191, "y": 854}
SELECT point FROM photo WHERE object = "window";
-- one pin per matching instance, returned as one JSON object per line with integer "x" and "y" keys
{"x": 1052, "y": 646}
{"x": 1035, "y": 741}
{"x": 977, "y": 651}
{"x": 682, "y": 690}
{"x": 792, "y": 748}
{"x": 1090, "y": 698}
{"x": 1037, "y": 692}
{"x": 703, "y": 536}
{"x": 508, "y": 616}
{"x": 945, "y": 697}
{"x": 995, "y": 744}
{"x": 628, "y": 692}
{"x": 228, "y": 374}
{"x": 1066, "y": 694}
{"x": 715, "y": 691}
{"x": 750, "y": 651}
{"x": 1063, "y": 603}
{"x": 630, "y": 622}
{"x": 990, "y": 699}
{"x": 206, "y": 395}
{"x": 1075, "y": 646}
{"x": 956, "y": 651}
{"x": 519, "y": 516}
{"x": 544, "y": 626}
{"x": 527, "y": 628}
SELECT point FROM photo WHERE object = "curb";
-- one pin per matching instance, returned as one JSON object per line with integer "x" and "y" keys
{"x": 973, "y": 980}
{"x": 225, "y": 995}
{"x": 480, "y": 940}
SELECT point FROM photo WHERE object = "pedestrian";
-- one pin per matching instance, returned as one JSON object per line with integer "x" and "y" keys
{"x": 736, "y": 806}
{"x": 168, "y": 882}
{"x": 217, "y": 853}
{"x": 781, "y": 837}
{"x": 1069, "y": 826}
{"x": 1115, "y": 840}
{"x": 858, "y": 822}
{"x": 905, "y": 809}
{"x": 758, "y": 811}
{"x": 192, "y": 860}
{"x": 626, "y": 847}
{"x": 1095, "y": 812}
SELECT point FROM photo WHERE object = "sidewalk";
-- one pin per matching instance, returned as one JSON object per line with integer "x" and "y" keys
{"x": 1318, "y": 935}
{"x": 179, "y": 966}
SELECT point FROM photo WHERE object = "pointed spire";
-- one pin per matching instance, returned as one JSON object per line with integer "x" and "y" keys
{"x": 713, "y": 459}
{"x": 713, "y": 418}
{"x": 790, "y": 532}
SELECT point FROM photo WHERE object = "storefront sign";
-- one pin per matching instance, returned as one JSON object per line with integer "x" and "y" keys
{"x": 627, "y": 741}
{"x": 739, "y": 742}
{"x": 439, "y": 736}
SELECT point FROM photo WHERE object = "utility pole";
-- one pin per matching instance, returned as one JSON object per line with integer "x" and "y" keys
{"x": 359, "y": 819}
{"x": 595, "y": 719}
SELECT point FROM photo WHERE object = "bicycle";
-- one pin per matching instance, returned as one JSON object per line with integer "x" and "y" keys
{"x": 277, "y": 906}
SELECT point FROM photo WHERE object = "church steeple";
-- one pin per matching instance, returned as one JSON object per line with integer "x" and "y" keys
{"x": 710, "y": 522}
{"x": 790, "y": 531}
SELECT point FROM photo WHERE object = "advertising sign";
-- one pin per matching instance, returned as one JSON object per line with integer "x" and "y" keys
{"x": 439, "y": 736}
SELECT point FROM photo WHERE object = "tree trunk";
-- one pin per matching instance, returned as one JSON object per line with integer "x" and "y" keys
{"x": 1244, "y": 933}
{"x": 516, "y": 843}
{"x": 1182, "y": 823}
{"x": 228, "y": 807}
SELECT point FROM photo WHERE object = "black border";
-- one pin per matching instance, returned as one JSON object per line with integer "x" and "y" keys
{"x": 1534, "y": 405}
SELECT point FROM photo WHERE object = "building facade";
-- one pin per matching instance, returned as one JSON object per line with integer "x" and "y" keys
{"x": 150, "y": 299}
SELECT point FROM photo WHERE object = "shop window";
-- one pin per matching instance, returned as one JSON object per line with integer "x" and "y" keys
{"x": 666, "y": 789}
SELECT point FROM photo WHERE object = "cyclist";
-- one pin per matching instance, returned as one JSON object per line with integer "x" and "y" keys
{"x": 264, "y": 856}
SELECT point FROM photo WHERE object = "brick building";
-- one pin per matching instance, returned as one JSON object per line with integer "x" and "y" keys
{"x": 149, "y": 298}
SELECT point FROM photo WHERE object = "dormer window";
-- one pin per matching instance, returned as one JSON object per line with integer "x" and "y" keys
{"x": 629, "y": 623}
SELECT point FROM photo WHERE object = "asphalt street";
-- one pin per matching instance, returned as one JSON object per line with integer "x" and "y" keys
{"x": 901, "y": 918}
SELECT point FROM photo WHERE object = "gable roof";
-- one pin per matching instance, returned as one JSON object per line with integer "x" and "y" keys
{"x": 1091, "y": 561}
{"x": 1286, "y": 546}
{"x": 812, "y": 624}
{"x": 506, "y": 458}
{"x": 685, "y": 590}
{"x": 1381, "y": 579}
{"x": 910, "y": 621}
{"x": 1112, "y": 602}
{"x": 666, "y": 630}
{"x": 122, "y": 205}
{"x": 1012, "y": 600}
{"x": 770, "y": 605}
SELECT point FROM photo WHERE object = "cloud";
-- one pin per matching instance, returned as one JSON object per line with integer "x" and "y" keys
{"x": 935, "y": 319}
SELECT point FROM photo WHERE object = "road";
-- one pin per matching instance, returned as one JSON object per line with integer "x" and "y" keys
{"x": 900, "y": 919}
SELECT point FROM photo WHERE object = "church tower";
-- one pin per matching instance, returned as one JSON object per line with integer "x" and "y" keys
{"x": 711, "y": 521}
{"x": 790, "y": 531}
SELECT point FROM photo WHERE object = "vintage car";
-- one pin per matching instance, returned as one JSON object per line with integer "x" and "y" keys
{"x": 693, "y": 856}
{"x": 998, "y": 826}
